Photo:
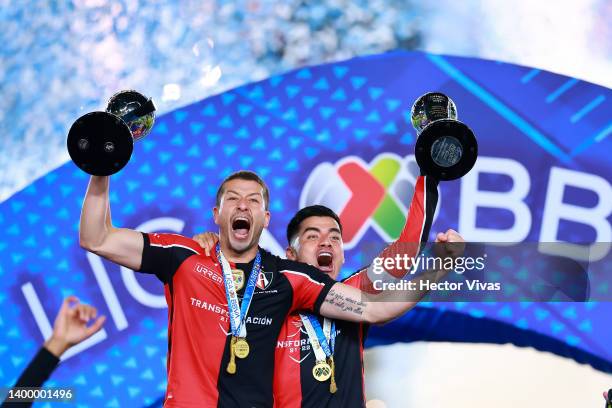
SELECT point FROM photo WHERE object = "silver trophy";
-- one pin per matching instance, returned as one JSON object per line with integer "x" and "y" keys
{"x": 446, "y": 148}
{"x": 101, "y": 143}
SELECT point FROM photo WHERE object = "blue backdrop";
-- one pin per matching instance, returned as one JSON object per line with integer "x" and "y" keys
{"x": 285, "y": 128}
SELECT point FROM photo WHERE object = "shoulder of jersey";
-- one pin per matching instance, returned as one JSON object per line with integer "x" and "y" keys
{"x": 352, "y": 279}
{"x": 175, "y": 240}
{"x": 288, "y": 265}
{"x": 282, "y": 264}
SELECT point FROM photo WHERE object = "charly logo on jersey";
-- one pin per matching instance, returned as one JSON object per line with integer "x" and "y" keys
{"x": 364, "y": 195}
{"x": 264, "y": 280}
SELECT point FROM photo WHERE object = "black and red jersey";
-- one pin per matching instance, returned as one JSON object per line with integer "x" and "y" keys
{"x": 294, "y": 383}
{"x": 199, "y": 328}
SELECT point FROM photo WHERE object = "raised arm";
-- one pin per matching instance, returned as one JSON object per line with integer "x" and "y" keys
{"x": 97, "y": 234}
{"x": 415, "y": 232}
{"x": 70, "y": 328}
{"x": 345, "y": 302}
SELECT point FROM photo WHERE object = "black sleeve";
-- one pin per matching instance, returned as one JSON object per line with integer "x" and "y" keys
{"x": 421, "y": 211}
{"x": 310, "y": 285}
{"x": 163, "y": 254}
{"x": 39, "y": 369}
{"x": 418, "y": 223}
{"x": 35, "y": 374}
{"x": 323, "y": 295}
{"x": 323, "y": 278}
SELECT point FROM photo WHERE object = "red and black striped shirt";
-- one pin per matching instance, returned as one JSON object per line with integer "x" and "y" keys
{"x": 198, "y": 323}
{"x": 294, "y": 384}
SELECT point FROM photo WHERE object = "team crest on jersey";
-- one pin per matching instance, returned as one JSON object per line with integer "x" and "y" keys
{"x": 264, "y": 280}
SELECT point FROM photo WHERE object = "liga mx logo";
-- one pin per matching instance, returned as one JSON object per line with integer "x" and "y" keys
{"x": 365, "y": 195}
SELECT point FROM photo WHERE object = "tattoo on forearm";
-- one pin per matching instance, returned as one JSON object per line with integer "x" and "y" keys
{"x": 346, "y": 304}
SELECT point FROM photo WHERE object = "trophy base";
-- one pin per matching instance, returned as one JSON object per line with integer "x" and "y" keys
{"x": 100, "y": 143}
{"x": 446, "y": 149}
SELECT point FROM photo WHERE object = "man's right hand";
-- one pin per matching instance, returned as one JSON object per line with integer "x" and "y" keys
{"x": 207, "y": 240}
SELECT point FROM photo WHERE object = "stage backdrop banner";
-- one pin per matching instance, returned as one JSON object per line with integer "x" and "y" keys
{"x": 543, "y": 174}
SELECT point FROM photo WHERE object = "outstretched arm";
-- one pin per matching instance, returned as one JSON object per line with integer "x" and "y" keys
{"x": 349, "y": 303}
{"x": 414, "y": 234}
{"x": 69, "y": 329}
{"x": 97, "y": 234}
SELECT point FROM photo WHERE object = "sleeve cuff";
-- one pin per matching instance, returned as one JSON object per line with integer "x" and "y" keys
{"x": 145, "y": 248}
{"x": 47, "y": 358}
{"x": 322, "y": 296}
{"x": 39, "y": 369}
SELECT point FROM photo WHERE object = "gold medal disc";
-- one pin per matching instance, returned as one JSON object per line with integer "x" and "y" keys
{"x": 321, "y": 371}
{"x": 241, "y": 348}
{"x": 238, "y": 275}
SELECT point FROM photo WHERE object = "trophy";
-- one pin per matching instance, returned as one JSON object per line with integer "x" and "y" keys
{"x": 101, "y": 143}
{"x": 446, "y": 148}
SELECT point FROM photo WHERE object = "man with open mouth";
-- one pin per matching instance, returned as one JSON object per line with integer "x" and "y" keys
{"x": 225, "y": 308}
{"x": 319, "y": 361}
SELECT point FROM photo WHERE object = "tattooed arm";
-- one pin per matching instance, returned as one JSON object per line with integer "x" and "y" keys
{"x": 344, "y": 302}
{"x": 349, "y": 303}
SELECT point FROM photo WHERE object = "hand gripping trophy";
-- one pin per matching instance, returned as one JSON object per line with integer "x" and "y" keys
{"x": 446, "y": 148}
{"x": 101, "y": 143}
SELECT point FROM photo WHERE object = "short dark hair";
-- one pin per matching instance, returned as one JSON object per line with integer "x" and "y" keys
{"x": 306, "y": 212}
{"x": 244, "y": 175}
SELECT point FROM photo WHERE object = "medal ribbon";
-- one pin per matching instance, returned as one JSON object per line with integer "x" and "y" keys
{"x": 238, "y": 312}
{"x": 319, "y": 337}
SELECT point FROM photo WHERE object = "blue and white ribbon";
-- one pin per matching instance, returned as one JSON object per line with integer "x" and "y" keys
{"x": 238, "y": 312}
{"x": 323, "y": 340}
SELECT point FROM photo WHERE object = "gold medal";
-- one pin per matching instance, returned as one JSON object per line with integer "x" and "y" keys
{"x": 238, "y": 275}
{"x": 241, "y": 348}
{"x": 321, "y": 371}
